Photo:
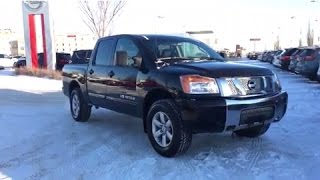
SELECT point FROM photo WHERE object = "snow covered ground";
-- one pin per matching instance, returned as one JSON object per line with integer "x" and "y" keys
{"x": 39, "y": 140}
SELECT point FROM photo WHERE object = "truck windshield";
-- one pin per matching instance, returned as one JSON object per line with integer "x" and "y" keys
{"x": 173, "y": 49}
{"x": 184, "y": 49}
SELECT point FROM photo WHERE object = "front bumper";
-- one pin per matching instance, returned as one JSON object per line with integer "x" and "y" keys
{"x": 225, "y": 114}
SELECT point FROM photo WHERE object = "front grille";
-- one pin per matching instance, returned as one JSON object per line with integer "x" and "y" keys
{"x": 242, "y": 86}
{"x": 260, "y": 114}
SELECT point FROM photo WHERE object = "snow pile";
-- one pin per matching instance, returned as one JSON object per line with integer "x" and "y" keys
{"x": 27, "y": 83}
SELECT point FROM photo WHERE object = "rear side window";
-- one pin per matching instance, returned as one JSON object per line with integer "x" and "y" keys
{"x": 80, "y": 55}
{"x": 89, "y": 54}
{"x": 309, "y": 52}
{"x": 104, "y": 53}
{"x": 297, "y": 52}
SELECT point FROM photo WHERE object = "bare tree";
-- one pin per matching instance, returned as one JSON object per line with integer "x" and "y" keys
{"x": 99, "y": 15}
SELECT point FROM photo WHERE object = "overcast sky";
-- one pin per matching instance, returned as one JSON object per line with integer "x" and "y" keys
{"x": 233, "y": 21}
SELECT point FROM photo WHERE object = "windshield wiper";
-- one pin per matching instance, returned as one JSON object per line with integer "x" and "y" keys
{"x": 172, "y": 58}
{"x": 206, "y": 58}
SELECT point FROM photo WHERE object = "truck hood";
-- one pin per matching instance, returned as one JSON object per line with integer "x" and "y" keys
{"x": 219, "y": 69}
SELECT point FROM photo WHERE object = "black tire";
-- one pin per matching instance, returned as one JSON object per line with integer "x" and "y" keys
{"x": 181, "y": 135}
{"x": 253, "y": 132}
{"x": 84, "y": 111}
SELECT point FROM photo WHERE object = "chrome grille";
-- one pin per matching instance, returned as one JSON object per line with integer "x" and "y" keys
{"x": 242, "y": 86}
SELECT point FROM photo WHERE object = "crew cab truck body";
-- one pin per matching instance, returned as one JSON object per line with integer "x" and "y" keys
{"x": 177, "y": 86}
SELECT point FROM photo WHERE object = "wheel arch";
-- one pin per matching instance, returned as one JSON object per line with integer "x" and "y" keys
{"x": 151, "y": 97}
{"x": 73, "y": 84}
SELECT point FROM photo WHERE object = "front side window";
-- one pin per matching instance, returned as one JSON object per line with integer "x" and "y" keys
{"x": 127, "y": 53}
{"x": 103, "y": 53}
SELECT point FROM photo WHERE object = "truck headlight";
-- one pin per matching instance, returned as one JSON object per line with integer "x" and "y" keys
{"x": 196, "y": 84}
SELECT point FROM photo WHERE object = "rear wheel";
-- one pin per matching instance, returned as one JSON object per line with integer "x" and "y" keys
{"x": 80, "y": 110}
{"x": 253, "y": 132}
{"x": 166, "y": 130}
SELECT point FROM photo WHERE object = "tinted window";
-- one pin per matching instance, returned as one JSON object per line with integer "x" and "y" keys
{"x": 289, "y": 52}
{"x": 307, "y": 52}
{"x": 296, "y": 52}
{"x": 184, "y": 48}
{"x": 1, "y": 55}
{"x": 64, "y": 56}
{"x": 104, "y": 51}
{"x": 162, "y": 47}
{"x": 80, "y": 54}
{"x": 128, "y": 46}
{"x": 89, "y": 54}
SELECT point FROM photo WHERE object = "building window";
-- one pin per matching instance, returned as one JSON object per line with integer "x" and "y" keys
{"x": 62, "y": 44}
{"x": 63, "y": 49}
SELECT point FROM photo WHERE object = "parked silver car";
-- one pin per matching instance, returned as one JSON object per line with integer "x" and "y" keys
{"x": 276, "y": 61}
{"x": 308, "y": 63}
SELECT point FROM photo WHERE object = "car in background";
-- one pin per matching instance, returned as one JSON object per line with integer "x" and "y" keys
{"x": 21, "y": 62}
{"x": 270, "y": 57}
{"x": 81, "y": 56}
{"x": 285, "y": 58}
{"x": 6, "y": 61}
{"x": 61, "y": 60}
{"x": 261, "y": 55}
{"x": 278, "y": 55}
{"x": 254, "y": 56}
{"x": 308, "y": 63}
{"x": 294, "y": 59}
{"x": 276, "y": 58}
{"x": 265, "y": 56}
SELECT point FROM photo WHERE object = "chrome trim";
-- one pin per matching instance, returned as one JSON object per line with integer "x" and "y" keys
{"x": 233, "y": 116}
{"x": 96, "y": 95}
{"x": 238, "y": 86}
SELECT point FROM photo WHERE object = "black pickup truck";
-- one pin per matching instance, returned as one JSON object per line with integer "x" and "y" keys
{"x": 178, "y": 87}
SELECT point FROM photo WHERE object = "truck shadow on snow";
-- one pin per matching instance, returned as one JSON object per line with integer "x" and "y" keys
{"x": 129, "y": 131}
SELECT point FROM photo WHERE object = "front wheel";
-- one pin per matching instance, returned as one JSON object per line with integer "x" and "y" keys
{"x": 80, "y": 110}
{"x": 166, "y": 130}
{"x": 253, "y": 132}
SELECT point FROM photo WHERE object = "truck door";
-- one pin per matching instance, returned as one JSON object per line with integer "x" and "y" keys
{"x": 122, "y": 95}
{"x": 98, "y": 71}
